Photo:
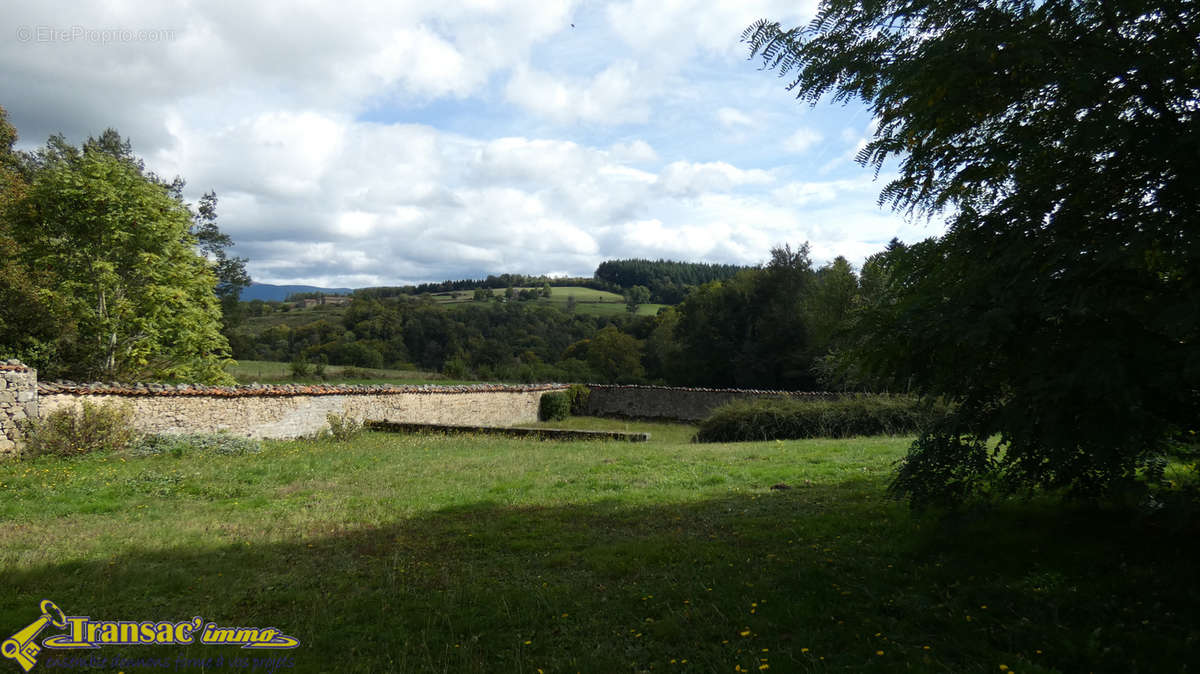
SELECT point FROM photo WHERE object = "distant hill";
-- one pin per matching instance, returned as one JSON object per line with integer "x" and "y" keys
{"x": 271, "y": 293}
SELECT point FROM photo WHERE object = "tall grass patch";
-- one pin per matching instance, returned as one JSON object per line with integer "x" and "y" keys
{"x": 788, "y": 419}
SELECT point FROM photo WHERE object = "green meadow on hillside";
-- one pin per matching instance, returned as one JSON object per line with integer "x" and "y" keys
{"x": 482, "y": 554}
{"x": 587, "y": 300}
{"x": 271, "y": 372}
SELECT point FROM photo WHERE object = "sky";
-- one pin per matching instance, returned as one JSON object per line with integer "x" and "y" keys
{"x": 357, "y": 144}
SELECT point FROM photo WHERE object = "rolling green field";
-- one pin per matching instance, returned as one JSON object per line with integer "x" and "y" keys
{"x": 271, "y": 372}
{"x": 294, "y": 318}
{"x": 426, "y": 553}
{"x": 587, "y": 300}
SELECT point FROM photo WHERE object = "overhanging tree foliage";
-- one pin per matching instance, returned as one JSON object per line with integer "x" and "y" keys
{"x": 115, "y": 261}
{"x": 28, "y": 329}
{"x": 1061, "y": 310}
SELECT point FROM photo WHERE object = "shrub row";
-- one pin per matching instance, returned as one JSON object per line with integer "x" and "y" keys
{"x": 784, "y": 419}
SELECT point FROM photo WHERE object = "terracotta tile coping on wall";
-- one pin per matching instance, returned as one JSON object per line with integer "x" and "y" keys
{"x": 260, "y": 390}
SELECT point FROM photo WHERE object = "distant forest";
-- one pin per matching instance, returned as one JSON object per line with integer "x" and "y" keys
{"x": 668, "y": 281}
{"x": 761, "y": 327}
{"x": 492, "y": 282}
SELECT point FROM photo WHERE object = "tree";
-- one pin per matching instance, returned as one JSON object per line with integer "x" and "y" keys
{"x": 29, "y": 328}
{"x": 750, "y": 330}
{"x": 635, "y": 296}
{"x": 1059, "y": 310}
{"x": 834, "y": 289}
{"x": 232, "y": 278}
{"x": 125, "y": 272}
{"x": 615, "y": 356}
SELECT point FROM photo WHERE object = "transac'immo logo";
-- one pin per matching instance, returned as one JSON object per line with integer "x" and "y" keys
{"x": 83, "y": 632}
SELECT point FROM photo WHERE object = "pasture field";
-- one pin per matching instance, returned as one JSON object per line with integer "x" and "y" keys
{"x": 430, "y": 553}
{"x": 587, "y": 300}
{"x": 293, "y": 318}
{"x": 271, "y": 372}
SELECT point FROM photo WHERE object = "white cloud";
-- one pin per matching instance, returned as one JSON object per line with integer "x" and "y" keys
{"x": 360, "y": 143}
{"x": 732, "y": 117}
{"x": 688, "y": 179}
{"x": 611, "y": 96}
{"x": 802, "y": 140}
{"x": 676, "y": 29}
{"x": 228, "y": 59}
{"x": 636, "y": 150}
{"x": 798, "y": 194}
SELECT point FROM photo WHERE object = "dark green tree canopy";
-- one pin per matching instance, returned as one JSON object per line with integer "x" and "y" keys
{"x": 110, "y": 260}
{"x": 1060, "y": 309}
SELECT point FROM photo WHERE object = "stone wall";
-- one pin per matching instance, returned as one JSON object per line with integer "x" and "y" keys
{"x": 293, "y": 411}
{"x": 18, "y": 402}
{"x": 670, "y": 403}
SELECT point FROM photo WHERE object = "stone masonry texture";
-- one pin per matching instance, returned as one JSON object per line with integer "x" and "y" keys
{"x": 290, "y": 412}
{"x": 18, "y": 402}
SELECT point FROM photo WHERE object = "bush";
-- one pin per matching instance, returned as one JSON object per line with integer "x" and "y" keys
{"x": 578, "y": 394}
{"x": 554, "y": 406}
{"x": 223, "y": 444}
{"x": 79, "y": 430}
{"x": 343, "y": 427}
{"x": 455, "y": 368}
{"x": 783, "y": 419}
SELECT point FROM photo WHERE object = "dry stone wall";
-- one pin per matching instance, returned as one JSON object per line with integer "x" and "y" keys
{"x": 294, "y": 411}
{"x": 18, "y": 402}
{"x": 678, "y": 404}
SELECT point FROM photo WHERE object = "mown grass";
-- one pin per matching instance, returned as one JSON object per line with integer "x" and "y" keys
{"x": 466, "y": 554}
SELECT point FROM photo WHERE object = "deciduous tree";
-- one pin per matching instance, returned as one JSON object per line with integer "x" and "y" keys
{"x": 1059, "y": 311}
{"x": 124, "y": 267}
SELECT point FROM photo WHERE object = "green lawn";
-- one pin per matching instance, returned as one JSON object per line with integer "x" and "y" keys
{"x": 469, "y": 554}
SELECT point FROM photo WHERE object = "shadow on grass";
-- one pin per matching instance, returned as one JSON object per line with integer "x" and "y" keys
{"x": 809, "y": 579}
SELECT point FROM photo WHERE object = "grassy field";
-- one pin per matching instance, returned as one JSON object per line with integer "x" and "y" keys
{"x": 294, "y": 318}
{"x": 271, "y": 372}
{"x": 466, "y": 554}
{"x": 587, "y": 300}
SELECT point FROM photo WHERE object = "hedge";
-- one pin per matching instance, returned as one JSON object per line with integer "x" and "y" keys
{"x": 786, "y": 419}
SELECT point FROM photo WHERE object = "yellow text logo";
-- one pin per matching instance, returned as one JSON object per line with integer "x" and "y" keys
{"x": 83, "y": 632}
